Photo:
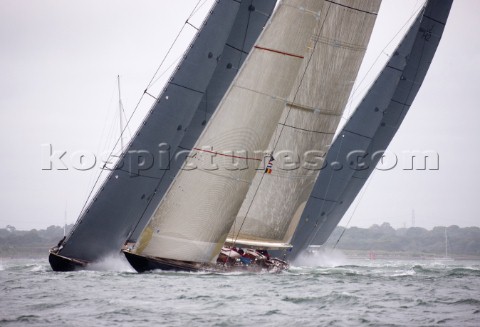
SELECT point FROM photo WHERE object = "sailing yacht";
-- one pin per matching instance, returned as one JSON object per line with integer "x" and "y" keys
{"x": 240, "y": 199}
{"x": 289, "y": 94}
{"x": 124, "y": 202}
{"x": 446, "y": 258}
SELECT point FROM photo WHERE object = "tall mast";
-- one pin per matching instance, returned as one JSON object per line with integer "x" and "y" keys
{"x": 120, "y": 112}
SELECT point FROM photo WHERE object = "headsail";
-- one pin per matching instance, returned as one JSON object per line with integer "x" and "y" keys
{"x": 129, "y": 192}
{"x": 275, "y": 202}
{"x": 251, "y": 18}
{"x": 371, "y": 127}
{"x": 193, "y": 219}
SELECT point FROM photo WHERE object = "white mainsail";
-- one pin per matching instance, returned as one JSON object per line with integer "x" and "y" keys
{"x": 275, "y": 202}
{"x": 193, "y": 219}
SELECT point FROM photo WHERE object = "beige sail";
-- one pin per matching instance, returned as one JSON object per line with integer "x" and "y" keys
{"x": 193, "y": 219}
{"x": 275, "y": 202}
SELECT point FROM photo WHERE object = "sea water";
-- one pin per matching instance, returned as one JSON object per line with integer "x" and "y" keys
{"x": 319, "y": 292}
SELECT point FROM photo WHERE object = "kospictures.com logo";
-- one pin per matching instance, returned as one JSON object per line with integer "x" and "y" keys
{"x": 208, "y": 158}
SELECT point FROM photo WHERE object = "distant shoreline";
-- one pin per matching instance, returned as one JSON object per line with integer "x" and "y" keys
{"x": 376, "y": 242}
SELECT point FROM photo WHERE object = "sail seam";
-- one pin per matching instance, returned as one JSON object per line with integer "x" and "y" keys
{"x": 403, "y": 104}
{"x": 226, "y": 155}
{"x": 436, "y": 21}
{"x": 413, "y": 82}
{"x": 395, "y": 68}
{"x": 306, "y": 130}
{"x": 315, "y": 110}
{"x": 261, "y": 93}
{"x": 358, "y": 134}
{"x": 353, "y": 8}
{"x": 186, "y": 87}
{"x": 133, "y": 174}
{"x": 338, "y": 44}
{"x": 235, "y": 48}
{"x": 323, "y": 199}
{"x": 357, "y": 177}
{"x": 279, "y": 52}
{"x": 228, "y": 177}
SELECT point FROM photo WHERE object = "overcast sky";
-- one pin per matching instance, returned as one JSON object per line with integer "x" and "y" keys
{"x": 58, "y": 66}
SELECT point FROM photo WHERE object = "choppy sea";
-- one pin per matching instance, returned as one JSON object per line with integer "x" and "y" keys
{"x": 322, "y": 291}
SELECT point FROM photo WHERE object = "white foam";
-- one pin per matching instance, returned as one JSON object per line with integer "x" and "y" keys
{"x": 114, "y": 262}
{"x": 406, "y": 273}
{"x": 39, "y": 268}
{"x": 322, "y": 257}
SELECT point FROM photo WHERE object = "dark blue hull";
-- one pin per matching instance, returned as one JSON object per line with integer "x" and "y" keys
{"x": 142, "y": 264}
{"x": 61, "y": 263}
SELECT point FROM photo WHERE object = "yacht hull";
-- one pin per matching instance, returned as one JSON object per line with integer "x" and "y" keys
{"x": 61, "y": 263}
{"x": 143, "y": 263}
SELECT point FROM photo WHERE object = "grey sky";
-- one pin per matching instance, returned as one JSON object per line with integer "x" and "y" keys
{"x": 58, "y": 67}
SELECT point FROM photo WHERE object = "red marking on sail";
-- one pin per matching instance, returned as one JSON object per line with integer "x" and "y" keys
{"x": 226, "y": 155}
{"x": 280, "y": 52}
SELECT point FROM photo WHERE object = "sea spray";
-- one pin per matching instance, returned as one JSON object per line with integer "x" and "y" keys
{"x": 321, "y": 257}
{"x": 113, "y": 262}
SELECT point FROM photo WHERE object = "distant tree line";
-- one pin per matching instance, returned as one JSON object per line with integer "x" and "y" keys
{"x": 413, "y": 240}
{"x": 459, "y": 241}
{"x": 32, "y": 243}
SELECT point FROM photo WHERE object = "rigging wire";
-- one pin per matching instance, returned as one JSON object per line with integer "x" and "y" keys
{"x": 283, "y": 125}
{"x": 173, "y": 44}
{"x": 160, "y": 179}
{"x": 354, "y": 210}
{"x": 415, "y": 13}
{"x": 126, "y": 118}
{"x": 326, "y": 191}
{"x": 206, "y": 112}
{"x": 195, "y": 9}
{"x": 368, "y": 182}
{"x": 354, "y": 92}
{"x": 373, "y": 173}
{"x": 174, "y": 62}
